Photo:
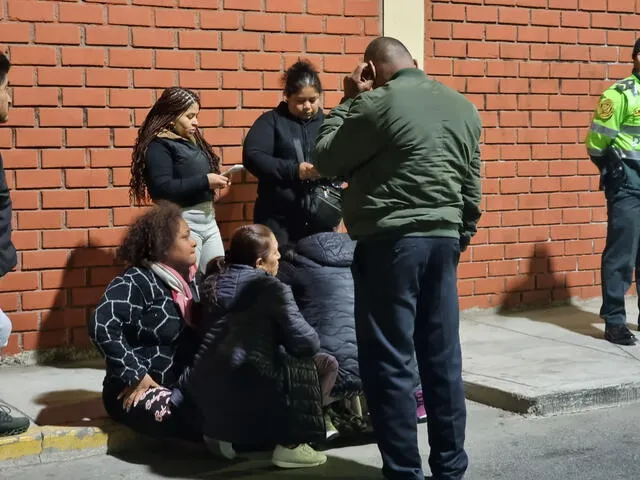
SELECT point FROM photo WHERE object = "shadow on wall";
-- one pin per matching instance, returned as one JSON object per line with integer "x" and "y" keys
{"x": 63, "y": 336}
{"x": 83, "y": 281}
{"x": 545, "y": 286}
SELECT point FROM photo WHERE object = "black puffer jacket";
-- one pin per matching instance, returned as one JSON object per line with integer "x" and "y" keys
{"x": 269, "y": 154}
{"x": 176, "y": 170}
{"x": 254, "y": 378}
{"x": 8, "y": 258}
{"x": 318, "y": 271}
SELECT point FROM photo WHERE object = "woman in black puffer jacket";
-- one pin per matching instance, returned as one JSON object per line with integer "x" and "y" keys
{"x": 258, "y": 377}
{"x": 284, "y": 171}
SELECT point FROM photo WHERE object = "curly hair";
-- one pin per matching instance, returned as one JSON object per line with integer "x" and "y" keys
{"x": 171, "y": 105}
{"x": 152, "y": 235}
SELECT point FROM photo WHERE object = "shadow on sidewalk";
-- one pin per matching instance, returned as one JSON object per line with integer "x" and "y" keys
{"x": 194, "y": 462}
{"x": 72, "y": 408}
{"x": 546, "y": 286}
{"x": 181, "y": 459}
{"x": 83, "y": 281}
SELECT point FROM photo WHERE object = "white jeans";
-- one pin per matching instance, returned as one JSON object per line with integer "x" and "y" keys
{"x": 5, "y": 329}
{"x": 201, "y": 219}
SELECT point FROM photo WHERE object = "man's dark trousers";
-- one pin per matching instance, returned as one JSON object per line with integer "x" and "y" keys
{"x": 406, "y": 295}
{"x": 620, "y": 257}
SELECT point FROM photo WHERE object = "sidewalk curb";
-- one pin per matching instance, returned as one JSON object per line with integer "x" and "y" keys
{"x": 554, "y": 403}
{"x": 55, "y": 443}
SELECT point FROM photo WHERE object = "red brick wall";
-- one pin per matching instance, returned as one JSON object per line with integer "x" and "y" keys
{"x": 535, "y": 69}
{"x": 85, "y": 74}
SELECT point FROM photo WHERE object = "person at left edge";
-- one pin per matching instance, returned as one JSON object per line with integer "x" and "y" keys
{"x": 172, "y": 161}
{"x": 9, "y": 425}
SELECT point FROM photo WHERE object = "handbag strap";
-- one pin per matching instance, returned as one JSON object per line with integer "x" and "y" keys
{"x": 297, "y": 145}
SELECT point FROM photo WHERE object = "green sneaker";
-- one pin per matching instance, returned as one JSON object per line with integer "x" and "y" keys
{"x": 300, "y": 457}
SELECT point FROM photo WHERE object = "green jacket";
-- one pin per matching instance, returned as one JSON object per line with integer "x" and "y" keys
{"x": 616, "y": 123}
{"x": 410, "y": 153}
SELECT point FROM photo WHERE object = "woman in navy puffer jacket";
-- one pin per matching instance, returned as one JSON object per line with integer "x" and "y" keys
{"x": 318, "y": 269}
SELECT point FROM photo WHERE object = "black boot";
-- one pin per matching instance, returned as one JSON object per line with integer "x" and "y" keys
{"x": 619, "y": 334}
{"x": 11, "y": 425}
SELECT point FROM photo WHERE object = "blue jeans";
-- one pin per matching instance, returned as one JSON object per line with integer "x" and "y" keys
{"x": 5, "y": 329}
{"x": 406, "y": 302}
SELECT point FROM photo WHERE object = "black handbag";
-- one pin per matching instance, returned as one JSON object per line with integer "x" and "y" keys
{"x": 321, "y": 201}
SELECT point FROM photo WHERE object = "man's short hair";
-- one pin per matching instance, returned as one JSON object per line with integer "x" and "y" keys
{"x": 5, "y": 65}
{"x": 386, "y": 49}
{"x": 636, "y": 49}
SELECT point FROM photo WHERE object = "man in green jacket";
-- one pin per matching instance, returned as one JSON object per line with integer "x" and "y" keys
{"x": 613, "y": 143}
{"x": 409, "y": 149}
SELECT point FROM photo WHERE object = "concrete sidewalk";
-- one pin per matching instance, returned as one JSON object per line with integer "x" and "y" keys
{"x": 548, "y": 362}
{"x": 540, "y": 362}
{"x": 66, "y": 413}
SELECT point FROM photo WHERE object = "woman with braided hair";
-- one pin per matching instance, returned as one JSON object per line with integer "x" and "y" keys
{"x": 172, "y": 161}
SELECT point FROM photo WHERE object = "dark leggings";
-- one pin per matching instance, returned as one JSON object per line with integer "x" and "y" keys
{"x": 155, "y": 415}
{"x": 327, "y": 367}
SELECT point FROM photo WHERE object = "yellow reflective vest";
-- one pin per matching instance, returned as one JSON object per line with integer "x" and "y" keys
{"x": 616, "y": 123}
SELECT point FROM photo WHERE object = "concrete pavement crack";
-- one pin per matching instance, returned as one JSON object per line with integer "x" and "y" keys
{"x": 492, "y": 377}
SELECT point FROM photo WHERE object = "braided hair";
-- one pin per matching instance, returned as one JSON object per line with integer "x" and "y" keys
{"x": 171, "y": 105}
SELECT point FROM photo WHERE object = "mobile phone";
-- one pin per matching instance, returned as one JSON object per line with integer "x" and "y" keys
{"x": 232, "y": 170}
{"x": 367, "y": 73}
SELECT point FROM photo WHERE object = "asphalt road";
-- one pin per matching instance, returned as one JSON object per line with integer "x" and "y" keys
{"x": 599, "y": 445}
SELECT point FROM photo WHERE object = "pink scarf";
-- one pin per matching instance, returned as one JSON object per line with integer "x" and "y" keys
{"x": 180, "y": 290}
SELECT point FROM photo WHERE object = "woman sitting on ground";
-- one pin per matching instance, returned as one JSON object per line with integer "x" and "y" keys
{"x": 258, "y": 377}
{"x": 142, "y": 326}
{"x": 318, "y": 270}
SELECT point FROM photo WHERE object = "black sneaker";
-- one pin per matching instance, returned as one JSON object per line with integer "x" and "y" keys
{"x": 11, "y": 425}
{"x": 619, "y": 334}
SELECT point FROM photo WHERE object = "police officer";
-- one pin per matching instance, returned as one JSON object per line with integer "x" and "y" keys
{"x": 613, "y": 144}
